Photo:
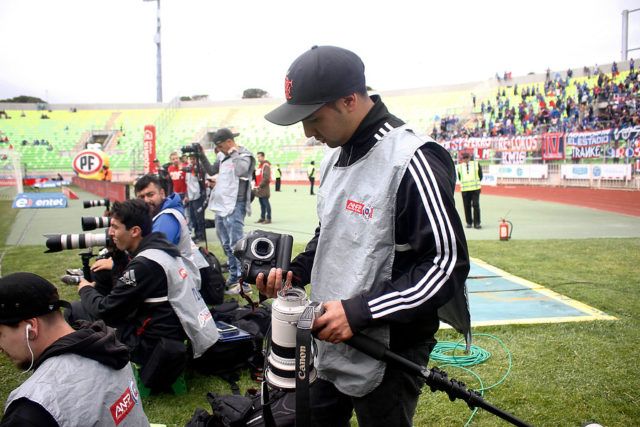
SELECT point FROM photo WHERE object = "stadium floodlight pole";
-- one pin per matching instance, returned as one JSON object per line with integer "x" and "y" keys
{"x": 625, "y": 33}
{"x": 156, "y": 40}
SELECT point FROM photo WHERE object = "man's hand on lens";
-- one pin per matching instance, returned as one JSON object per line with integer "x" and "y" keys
{"x": 333, "y": 325}
{"x": 273, "y": 284}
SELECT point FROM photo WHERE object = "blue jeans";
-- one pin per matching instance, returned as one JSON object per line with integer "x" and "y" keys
{"x": 230, "y": 229}
{"x": 265, "y": 208}
{"x": 196, "y": 213}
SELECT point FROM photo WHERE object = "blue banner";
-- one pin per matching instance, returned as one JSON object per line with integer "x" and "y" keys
{"x": 40, "y": 200}
{"x": 590, "y": 138}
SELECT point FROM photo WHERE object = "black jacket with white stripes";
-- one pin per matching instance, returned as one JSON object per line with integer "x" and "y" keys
{"x": 431, "y": 250}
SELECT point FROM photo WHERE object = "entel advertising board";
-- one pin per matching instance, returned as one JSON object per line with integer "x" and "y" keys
{"x": 39, "y": 200}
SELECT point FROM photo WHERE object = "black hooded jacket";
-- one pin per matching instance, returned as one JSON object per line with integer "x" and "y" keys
{"x": 140, "y": 324}
{"x": 414, "y": 228}
{"x": 94, "y": 341}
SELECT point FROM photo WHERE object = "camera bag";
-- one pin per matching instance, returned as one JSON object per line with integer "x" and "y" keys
{"x": 226, "y": 358}
{"x": 235, "y": 410}
{"x": 213, "y": 282}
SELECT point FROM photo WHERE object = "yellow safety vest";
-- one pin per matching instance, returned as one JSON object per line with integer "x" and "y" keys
{"x": 469, "y": 176}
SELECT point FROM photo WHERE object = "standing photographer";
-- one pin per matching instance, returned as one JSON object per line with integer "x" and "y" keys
{"x": 230, "y": 197}
{"x": 390, "y": 249}
{"x": 195, "y": 190}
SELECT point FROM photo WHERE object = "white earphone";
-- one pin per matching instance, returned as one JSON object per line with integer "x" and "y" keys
{"x": 26, "y": 330}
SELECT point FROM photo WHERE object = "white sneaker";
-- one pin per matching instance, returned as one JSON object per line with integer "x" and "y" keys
{"x": 71, "y": 280}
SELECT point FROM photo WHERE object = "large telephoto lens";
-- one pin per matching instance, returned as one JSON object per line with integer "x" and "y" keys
{"x": 92, "y": 222}
{"x": 94, "y": 203}
{"x": 59, "y": 242}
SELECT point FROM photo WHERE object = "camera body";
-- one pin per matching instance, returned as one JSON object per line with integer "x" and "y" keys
{"x": 260, "y": 251}
{"x": 193, "y": 148}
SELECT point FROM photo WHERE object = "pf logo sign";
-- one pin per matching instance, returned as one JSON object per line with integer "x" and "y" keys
{"x": 88, "y": 164}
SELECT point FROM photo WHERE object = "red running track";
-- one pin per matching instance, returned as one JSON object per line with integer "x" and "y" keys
{"x": 619, "y": 201}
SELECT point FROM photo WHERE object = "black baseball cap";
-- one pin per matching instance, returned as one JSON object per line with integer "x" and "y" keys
{"x": 27, "y": 295}
{"x": 222, "y": 135}
{"x": 320, "y": 75}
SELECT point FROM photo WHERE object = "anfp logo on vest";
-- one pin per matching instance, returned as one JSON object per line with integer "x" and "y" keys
{"x": 88, "y": 162}
{"x": 360, "y": 208}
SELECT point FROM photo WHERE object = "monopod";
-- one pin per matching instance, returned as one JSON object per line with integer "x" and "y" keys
{"x": 434, "y": 377}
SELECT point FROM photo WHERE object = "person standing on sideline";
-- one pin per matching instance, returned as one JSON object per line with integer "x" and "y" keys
{"x": 230, "y": 198}
{"x": 389, "y": 256}
{"x": 278, "y": 177}
{"x": 106, "y": 173}
{"x": 178, "y": 176}
{"x": 262, "y": 190}
{"x": 311, "y": 174}
{"x": 78, "y": 372}
{"x": 470, "y": 175}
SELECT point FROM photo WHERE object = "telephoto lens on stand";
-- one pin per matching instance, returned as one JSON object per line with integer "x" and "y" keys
{"x": 93, "y": 203}
{"x": 59, "y": 242}
{"x": 92, "y": 222}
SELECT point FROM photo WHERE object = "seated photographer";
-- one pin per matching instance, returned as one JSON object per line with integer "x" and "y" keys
{"x": 168, "y": 217}
{"x": 155, "y": 303}
{"x": 79, "y": 372}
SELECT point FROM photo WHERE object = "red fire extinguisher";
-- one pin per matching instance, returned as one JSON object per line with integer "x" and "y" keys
{"x": 505, "y": 229}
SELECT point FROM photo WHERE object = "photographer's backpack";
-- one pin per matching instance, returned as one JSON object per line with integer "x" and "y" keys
{"x": 227, "y": 357}
{"x": 213, "y": 282}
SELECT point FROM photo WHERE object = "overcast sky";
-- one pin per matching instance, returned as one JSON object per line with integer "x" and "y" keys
{"x": 103, "y": 51}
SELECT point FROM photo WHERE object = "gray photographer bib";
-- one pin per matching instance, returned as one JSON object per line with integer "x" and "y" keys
{"x": 195, "y": 317}
{"x": 356, "y": 246}
{"x": 187, "y": 248}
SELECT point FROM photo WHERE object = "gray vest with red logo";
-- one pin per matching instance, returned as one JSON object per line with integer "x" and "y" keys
{"x": 187, "y": 248}
{"x": 185, "y": 299}
{"x": 78, "y": 391}
{"x": 356, "y": 247}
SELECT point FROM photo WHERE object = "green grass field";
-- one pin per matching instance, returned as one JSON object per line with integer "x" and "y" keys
{"x": 562, "y": 374}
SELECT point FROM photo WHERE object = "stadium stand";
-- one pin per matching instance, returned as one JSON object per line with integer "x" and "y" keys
{"x": 535, "y": 104}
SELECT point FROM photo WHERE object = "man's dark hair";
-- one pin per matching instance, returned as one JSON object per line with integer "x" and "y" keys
{"x": 144, "y": 181}
{"x": 261, "y": 153}
{"x": 131, "y": 213}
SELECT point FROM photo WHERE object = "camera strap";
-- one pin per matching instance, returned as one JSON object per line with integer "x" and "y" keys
{"x": 303, "y": 358}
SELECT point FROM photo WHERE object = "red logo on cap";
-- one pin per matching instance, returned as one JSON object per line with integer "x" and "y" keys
{"x": 287, "y": 87}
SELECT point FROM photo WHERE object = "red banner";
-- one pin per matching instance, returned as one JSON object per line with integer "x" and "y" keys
{"x": 149, "y": 147}
{"x": 553, "y": 146}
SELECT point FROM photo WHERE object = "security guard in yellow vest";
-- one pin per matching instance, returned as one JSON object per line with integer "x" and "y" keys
{"x": 278, "y": 177}
{"x": 470, "y": 175}
{"x": 311, "y": 174}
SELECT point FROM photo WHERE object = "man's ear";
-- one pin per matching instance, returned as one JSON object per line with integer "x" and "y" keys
{"x": 135, "y": 231}
{"x": 350, "y": 102}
